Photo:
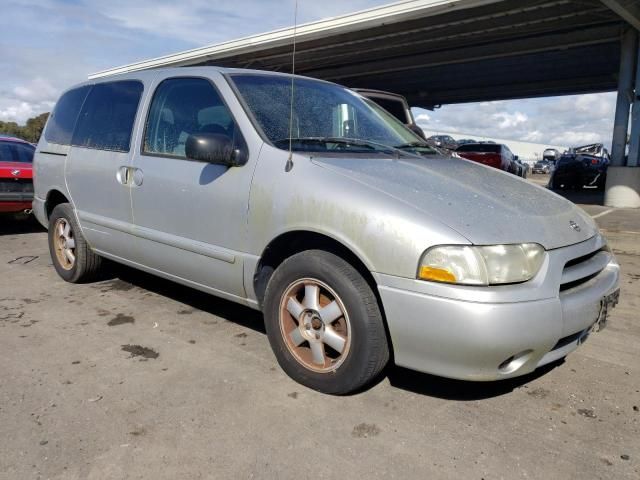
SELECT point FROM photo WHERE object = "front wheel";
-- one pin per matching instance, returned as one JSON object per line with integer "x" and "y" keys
{"x": 324, "y": 323}
{"x": 72, "y": 257}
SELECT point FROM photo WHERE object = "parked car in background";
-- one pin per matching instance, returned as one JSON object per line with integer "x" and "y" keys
{"x": 396, "y": 105}
{"x": 495, "y": 155}
{"x": 464, "y": 141}
{"x": 443, "y": 141}
{"x": 16, "y": 175}
{"x": 551, "y": 155}
{"x": 581, "y": 167}
{"x": 542, "y": 166}
{"x": 356, "y": 252}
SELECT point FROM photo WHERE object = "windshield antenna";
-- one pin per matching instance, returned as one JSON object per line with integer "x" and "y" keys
{"x": 289, "y": 164}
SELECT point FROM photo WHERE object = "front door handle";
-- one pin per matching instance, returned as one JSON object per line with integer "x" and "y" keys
{"x": 129, "y": 176}
{"x": 122, "y": 175}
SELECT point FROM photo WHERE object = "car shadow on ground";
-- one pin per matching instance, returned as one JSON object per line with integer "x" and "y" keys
{"x": 15, "y": 225}
{"x": 460, "y": 390}
{"x": 416, "y": 382}
{"x": 191, "y": 297}
{"x": 583, "y": 197}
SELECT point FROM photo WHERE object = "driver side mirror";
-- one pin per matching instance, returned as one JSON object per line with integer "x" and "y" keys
{"x": 214, "y": 148}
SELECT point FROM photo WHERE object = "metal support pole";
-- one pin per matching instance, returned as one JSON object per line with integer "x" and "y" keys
{"x": 634, "y": 137}
{"x": 628, "y": 54}
{"x": 623, "y": 182}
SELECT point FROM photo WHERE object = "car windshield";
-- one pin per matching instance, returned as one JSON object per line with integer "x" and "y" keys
{"x": 323, "y": 117}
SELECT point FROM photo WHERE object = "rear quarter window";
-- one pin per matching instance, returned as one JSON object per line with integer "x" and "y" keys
{"x": 64, "y": 116}
{"x": 107, "y": 116}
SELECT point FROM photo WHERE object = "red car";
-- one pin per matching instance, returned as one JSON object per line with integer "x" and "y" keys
{"x": 16, "y": 175}
{"x": 494, "y": 155}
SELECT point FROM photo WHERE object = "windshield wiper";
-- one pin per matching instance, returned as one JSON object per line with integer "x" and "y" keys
{"x": 338, "y": 140}
{"x": 358, "y": 142}
{"x": 421, "y": 147}
{"x": 411, "y": 145}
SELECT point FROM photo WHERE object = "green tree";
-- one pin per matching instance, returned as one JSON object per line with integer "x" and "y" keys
{"x": 30, "y": 132}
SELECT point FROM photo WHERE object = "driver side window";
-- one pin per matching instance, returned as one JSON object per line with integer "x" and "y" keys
{"x": 181, "y": 107}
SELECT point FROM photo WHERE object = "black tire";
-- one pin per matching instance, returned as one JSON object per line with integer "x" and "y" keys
{"x": 367, "y": 352}
{"x": 556, "y": 185}
{"x": 87, "y": 264}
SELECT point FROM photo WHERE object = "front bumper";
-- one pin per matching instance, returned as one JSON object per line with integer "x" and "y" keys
{"x": 14, "y": 207}
{"x": 497, "y": 332}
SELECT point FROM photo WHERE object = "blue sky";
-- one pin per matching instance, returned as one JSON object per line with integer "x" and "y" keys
{"x": 48, "y": 45}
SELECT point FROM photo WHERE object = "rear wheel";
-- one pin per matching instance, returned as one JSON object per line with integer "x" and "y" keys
{"x": 72, "y": 257}
{"x": 324, "y": 323}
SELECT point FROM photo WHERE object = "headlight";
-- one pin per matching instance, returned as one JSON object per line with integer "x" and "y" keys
{"x": 486, "y": 265}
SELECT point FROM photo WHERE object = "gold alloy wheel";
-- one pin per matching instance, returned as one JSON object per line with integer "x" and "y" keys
{"x": 315, "y": 325}
{"x": 64, "y": 243}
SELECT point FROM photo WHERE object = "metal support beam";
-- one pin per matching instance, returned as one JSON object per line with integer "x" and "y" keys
{"x": 629, "y": 10}
{"x": 634, "y": 137}
{"x": 625, "y": 94}
{"x": 623, "y": 182}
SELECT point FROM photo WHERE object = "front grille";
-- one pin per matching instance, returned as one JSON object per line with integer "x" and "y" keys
{"x": 581, "y": 259}
{"x": 580, "y": 270}
{"x": 16, "y": 185}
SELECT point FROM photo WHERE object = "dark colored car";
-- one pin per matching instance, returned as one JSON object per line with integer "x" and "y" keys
{"x": 464, "y": 141}
{"x": 581, "y": 167}
{"x": 522, "y": 168}
{"x": 493, "y": 155}
{"x": 443, "y": 141}
{"x": 542, "y": 166}
{"x": 16, "y": 175}
{"x": 395, "y": 104}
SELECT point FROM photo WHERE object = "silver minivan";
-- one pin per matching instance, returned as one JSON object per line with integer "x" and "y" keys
{"x": 304, "y": 200}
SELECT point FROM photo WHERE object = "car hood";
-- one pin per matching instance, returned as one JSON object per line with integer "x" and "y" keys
{"x": 485, "y": 205}
{"x": 7, "y": 169}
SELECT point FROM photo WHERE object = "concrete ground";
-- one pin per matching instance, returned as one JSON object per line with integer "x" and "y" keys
{"x": 136, "y": 377}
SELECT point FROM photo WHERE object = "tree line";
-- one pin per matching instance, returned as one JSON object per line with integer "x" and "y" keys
{"x": 30, "y": 131}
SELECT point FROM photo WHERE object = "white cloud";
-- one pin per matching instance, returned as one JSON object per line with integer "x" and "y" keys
{"x": 20, "y": 112}
{"x": 505, "y": 120}
{"x": 422, "y": 118}
{"x": 569, "y": 120}
{"x": 574, "y": 138}
{"x": 36, "y": 90}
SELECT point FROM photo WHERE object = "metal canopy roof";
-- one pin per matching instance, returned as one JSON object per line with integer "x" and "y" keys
{"x": 438, "y": 52}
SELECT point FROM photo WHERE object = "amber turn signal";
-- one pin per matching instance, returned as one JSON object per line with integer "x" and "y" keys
{"x": 436, "y": 274}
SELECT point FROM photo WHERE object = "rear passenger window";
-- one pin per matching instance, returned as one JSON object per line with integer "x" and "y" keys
{"x": 107, "y": 116}
{"x": 65, "y": 114}
{"x": 181, "y": 107}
